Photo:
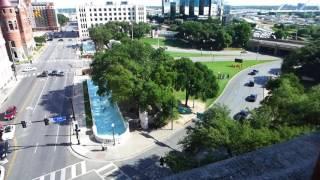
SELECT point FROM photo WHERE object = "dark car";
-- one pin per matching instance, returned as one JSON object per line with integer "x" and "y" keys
{"x": 54, "y": 73}
{"x": 240, "y": 116}
{"x": 50, "y": 39}
{"x": 252, "y": 98}
{"x": 250, "y": 84}
{"x": 43, "y": 74}
{"x": 60, "y": 40}
{"x": 10, "y": 113}
{"x": 253, "y": 72}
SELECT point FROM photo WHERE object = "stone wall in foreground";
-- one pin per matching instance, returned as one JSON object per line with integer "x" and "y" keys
{"x": 294, "y": 159}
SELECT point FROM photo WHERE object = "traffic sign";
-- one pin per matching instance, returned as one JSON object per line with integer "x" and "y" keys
{"x": 59, "y": 119}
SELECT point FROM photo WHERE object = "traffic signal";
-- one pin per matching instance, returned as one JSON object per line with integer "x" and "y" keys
{"x": 24, "y": 124}
{"x": 46, "y": 121}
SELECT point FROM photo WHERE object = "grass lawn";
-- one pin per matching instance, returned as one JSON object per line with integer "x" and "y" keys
{"x": 165, "y": 42}
{"x": 222, "y": 67}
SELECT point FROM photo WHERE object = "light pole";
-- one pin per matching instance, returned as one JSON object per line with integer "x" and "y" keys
{"x": 114, "y": 140}
{"x": 131, "y": 30}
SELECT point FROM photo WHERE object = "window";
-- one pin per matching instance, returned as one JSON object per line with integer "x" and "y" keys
{"x": 105, "y": 14}
{"x": 101, "y": 19}
{"x": 13, "y": 44}
{"x": 124, "y": 18}
{"x": 119, "y": 9}
{"x": 119, "y": 18}
{"x": 124, "y": 13}
{"x": 99, "y": 9}
{"x": 109, "y": 9}
{"x": 96, "y": 19}
{"x": 110, "y": 19}
{"x": 129, "y": 9}
{"x": 115, "y": 14}
{"x": 100, "y": 14}
{"x": 124, "y": 9}
{"x": 119, "y": 14}
{"x": 105, "y": 9}
{"x": 110, "y": 14}
{"x": 15, "y": 25}
{"x": 129, "y": 13}
{"x": 95, "y": 14}
{"x": 114, "y": 9}
{"x": 10, "y": 24}
{"x": 10, "y": 10}
{"x": 95, "y": 9}
{"x": 90, "y": 10}
{"x": 3, "y": 10}
{"x": 106, "y": 19}
{"x": 115, "y": 18}
{"x": 90, "y": 14}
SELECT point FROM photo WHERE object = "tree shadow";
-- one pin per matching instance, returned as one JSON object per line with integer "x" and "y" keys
{"x": 261, "y": 80}
{"x": 17, "y": 148}
{"x": 159, "y": 143}
{"x": 146, "y": 169}
{"x": 58, "y": 103}
{"x": 274, "y": 71}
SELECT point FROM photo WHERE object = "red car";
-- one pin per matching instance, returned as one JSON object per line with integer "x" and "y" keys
{"x": 10, "y": 113}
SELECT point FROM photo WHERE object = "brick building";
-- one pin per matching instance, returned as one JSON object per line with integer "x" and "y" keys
{"x": 16, "y": 28}
{"x": 44, "y": 17}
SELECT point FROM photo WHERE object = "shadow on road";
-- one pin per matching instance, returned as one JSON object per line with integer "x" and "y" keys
{"x": 16, "y": 148}
{"x": 146, "y": 169}
{"x": 274, "y": 71}
{"x": 159, "y": 143}
{"x": 261, "y": 80}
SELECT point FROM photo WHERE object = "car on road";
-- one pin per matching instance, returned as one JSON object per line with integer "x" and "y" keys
{"x": 60, "y": 40}
{"x": 54, "y": 73}
{"x": 27, "y": 69}
{"x": 244, "y": 52}
{"x": 8, "y": 132}
{"x": 252, "y": 98}
{"x": 10, "y": 113}
{"x": 50, "y": 39}
{"x": 43, "y": 74}
{"x": 250, "y": 84}
{"x": 253, "y": 72}
{"x": 242, "y": 115}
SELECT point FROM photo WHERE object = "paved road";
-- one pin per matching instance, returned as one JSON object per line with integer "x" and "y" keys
{"x": 39, "y": 149}
{"x": 146, "y": 166}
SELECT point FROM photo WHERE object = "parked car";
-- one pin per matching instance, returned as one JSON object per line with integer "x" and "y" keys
{"x": 54, "y": 73}
{"x": 244, "y": 52}
{"x": 10, "y": 113}
{"x": 250, "y": 84}
{"x": 8, "y": 132}
{"x": 27, "y": 69}
{"x": 43, "y": 74}
{"x": 60, "y": 40}
{"x": 252, "y": 98}
{"x": 240, "y": 116}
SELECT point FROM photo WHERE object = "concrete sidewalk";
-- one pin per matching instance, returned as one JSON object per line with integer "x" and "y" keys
{"x": 8, "y": 89}
{"x": 135, "y": 144}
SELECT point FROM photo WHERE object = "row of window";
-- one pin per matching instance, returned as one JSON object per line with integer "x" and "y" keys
{"x": 4, "y": 11}
{"x": 109, "y": 9}
{"x": 111, "y": 19}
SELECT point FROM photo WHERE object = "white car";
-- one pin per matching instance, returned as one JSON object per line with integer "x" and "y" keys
{"x": 27, "y": 69}
{"x": 8, "y": 132}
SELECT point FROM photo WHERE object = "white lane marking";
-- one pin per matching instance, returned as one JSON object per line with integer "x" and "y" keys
{"x": 40, "y": 95}
{"x": 73, "y": 171}
{"x": 53, "y": 176}
{"x": 55, "y": 146}
{"x": 35, "y": 150}
{"x": 83, "y": 167}
{"x": 63, "y": 174}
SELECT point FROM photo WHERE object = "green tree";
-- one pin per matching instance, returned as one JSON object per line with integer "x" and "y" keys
{"x": 195, "y": 79}
{"x": 140, "y": 29}
{"x": 40, "y": 39}
{"x": 62, "y": 19}
{"x": 241, "y": 33}
{"x": 280, "y": 34}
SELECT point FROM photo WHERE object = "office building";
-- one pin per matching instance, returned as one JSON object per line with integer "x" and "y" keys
{"x": 16, "y": 28}
{"x": 91, "y": 14}
{"x": 6, "y": 72}
{"x": 44, "y": 17}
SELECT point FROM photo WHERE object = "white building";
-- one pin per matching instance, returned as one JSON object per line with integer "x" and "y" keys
{"x": 6, "y": 74}
{"x": 91, "y": 14}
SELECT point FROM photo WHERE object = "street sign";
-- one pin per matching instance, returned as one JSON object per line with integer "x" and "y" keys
{"x": 59, "y": 119}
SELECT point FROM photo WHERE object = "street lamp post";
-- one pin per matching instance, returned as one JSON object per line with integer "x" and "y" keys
{"x": 131, "y": 30}
{"x": 114, "y": 140}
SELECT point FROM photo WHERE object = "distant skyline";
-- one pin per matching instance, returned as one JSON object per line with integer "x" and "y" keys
{"x": 72, "y": 3}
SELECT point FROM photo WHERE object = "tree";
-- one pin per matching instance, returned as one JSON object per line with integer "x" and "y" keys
{"x": 139, "y": 75}
{"x": 241, "y": 33}
{"x": 140, "y": 29}
{"x": 304, "y": 62}
{"x": 62, "y": 19}
{"x": 40, "y": 39}
{"x": 280, "y": 34}
{"x": 222, "y": 40}
{"x": 195, "y": 79}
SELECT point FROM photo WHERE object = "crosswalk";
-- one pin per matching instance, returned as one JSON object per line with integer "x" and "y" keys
{"x": 109, "y": 171}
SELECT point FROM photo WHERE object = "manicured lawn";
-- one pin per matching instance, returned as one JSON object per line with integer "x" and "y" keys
{"x": 165, "y": 42}
{"x": 223, "y": 67}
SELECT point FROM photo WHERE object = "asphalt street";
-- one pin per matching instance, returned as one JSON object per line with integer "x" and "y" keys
{"x": 39, "y": 149}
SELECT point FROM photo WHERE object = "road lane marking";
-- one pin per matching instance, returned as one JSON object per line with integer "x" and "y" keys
{"x": 63, "y": 174}
{"x": 55, "y": 146}
{"x": 53, "y": 176}
{"x": 73, "y": 171}
{"x": 40, "y": 95}
{"x": 35, "y": 150}
{"x": 83, "y": 167}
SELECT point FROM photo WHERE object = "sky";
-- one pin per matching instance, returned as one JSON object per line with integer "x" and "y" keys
{"x": 72, "y": 3}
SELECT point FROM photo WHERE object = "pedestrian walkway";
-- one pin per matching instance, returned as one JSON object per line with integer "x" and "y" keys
{"x": 80, "y": 171}
{"x": 136, "y": 143}
{"x": 69, "y": 172}
{"x": 6, "y": 91}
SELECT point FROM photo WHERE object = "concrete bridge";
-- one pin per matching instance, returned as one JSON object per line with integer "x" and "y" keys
{"x": 274, "y": 46}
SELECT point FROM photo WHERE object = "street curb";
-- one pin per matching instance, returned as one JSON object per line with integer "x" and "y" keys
{"x": 215, "y": 101}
